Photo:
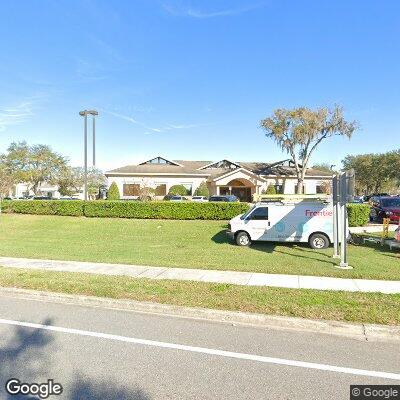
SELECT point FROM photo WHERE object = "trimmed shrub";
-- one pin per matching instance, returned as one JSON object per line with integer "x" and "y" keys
{"x": 113, "y": 192}
{"x": 127, "y": 209}
{"x": 202, "y": 190}
{"x": 72, "y": 208}
{"x": 164, "y": 210}
{"x": 358, "y": 214}
{"x": 178, "y": 190}
{"x": 271, "y": 189}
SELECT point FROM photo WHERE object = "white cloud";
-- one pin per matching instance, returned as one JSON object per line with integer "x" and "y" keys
{"x": 125, "y": 117}
{"x": 149, "y": 129}
{"x": 15, "y": 115}
{"x": 182, "y": 126}
{"x": 189, "y": 11}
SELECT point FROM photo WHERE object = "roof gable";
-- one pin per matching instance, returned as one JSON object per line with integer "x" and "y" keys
{"x": 224, "y": 164}
{"x": 236, "y": 171}
{"x": 160, "y": 161}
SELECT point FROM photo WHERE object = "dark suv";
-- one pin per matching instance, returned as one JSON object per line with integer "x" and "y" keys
{"x": 385, "y": 207}
{"x": 228, "y": 198}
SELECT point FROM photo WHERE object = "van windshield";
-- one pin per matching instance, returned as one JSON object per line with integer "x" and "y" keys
{"x": 245, "y": 215}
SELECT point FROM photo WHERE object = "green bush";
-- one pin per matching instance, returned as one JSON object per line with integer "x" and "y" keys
{"x": 164, "y": 210}
{"x": 5, "y": 206}
{"x": 271, "y": 189}
{"x": 178, "y": 190}
{"x": 113, "y": 192}
{"x": 202, "y": 190}
{"x": 72, "y": 208}
{"x": 358, "y": 214}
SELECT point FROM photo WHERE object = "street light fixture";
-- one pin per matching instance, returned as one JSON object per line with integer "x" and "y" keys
{"x": 84, "y": 114}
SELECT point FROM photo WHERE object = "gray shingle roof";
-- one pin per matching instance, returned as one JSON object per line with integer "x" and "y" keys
{"x": 190, "y": 167}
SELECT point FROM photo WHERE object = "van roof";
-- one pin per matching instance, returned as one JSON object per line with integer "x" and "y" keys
{"x": 288, "y": 202}
{"x": 297, "y": 197}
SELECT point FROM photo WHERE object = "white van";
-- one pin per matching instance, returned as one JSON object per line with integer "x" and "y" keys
{"x": 305, "y": 221}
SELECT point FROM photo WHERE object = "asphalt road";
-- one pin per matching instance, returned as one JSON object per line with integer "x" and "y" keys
{"x": 99, "y": 353}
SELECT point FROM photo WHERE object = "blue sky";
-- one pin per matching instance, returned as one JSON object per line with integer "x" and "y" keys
{"x": 192, "y": 79}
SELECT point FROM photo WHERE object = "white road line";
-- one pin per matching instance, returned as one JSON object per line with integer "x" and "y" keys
{"x": 204, "y": 350}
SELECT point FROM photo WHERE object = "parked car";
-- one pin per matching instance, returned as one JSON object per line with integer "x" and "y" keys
{"x": 199, "y": 199}
{"x": 42, "y": 198}
{"x": 226, "y": 198}
{"x": 369, "y": 196}
{"x": 385, "y": 207}
{"x": 178, "y": 198}
{"x": 358, "y": 199}
{"x": 66, "y": 198}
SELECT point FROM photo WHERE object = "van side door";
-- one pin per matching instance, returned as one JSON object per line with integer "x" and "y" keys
{"x": 257, "y": 223}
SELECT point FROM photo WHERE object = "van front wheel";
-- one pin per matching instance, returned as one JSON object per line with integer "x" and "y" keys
{"x": 319, "y": 241}
{"x": 243, "y": 239}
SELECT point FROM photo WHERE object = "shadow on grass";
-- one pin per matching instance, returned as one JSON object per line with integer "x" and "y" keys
{"x": 383, "y": 250}
{"x": 26, "y": 356}
{"x": 278, "y": 247}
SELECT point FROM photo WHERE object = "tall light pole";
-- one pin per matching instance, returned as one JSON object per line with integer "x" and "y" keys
{"x": 84, "y": 114}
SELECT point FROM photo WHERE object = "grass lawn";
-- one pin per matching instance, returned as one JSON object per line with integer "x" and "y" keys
{"x": 339, "y": 306}
{"x": 195, "y": 244}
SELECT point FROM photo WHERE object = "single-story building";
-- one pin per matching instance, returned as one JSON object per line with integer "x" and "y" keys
{"x": 22, "y": 190}
{"x": 242, "y": 179}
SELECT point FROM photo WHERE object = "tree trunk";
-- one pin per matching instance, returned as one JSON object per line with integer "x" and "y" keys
{"x": 300, "y": 186}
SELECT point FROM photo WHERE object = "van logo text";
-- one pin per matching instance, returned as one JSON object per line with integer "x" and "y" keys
{"x": 322, "y": 213}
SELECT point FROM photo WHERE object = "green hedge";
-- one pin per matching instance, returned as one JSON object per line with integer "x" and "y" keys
{"x": 127, "y": 209}
{"x": 44, "y": 207}
{"x": 164, "y": 210}
{"x": 358, "y": 214}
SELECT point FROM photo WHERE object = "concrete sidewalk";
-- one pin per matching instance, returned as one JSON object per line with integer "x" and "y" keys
{"x": 204, "y": 275}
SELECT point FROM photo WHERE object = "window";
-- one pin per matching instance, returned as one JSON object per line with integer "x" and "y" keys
{"x": 260, "y": 213}
{"x": 161, "y": 189}
{"x": 323, "y": 187}
{"x": 279, "y": 189}
{"x": 130, "y": 189}
{"x": 188, "y": 187}
{"x": 393, "y": 202}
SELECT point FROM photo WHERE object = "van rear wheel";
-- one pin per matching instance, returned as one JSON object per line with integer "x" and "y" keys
{"x": 319, "y": 241}
{"x": 243, "y": 239}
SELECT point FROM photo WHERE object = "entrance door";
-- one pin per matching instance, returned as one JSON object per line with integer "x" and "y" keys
{"x": 242, "y": 193}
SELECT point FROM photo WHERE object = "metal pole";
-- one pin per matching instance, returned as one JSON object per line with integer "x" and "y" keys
{"x": 85, "y": 157}
{"x": 343, "y": 200}
{"x": 94, "y": 141}
{"x": 335, "y": 217}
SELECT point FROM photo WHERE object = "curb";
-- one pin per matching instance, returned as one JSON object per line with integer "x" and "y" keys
{"x": 365, "y": 332}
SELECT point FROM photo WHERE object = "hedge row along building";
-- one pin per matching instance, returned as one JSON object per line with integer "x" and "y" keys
{"x": 242, "y": 179}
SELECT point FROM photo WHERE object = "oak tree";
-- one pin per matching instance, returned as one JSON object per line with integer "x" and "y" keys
{"x": 299, "y": 131}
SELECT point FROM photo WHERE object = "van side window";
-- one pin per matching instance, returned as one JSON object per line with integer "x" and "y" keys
{"x": 260, "y": 213}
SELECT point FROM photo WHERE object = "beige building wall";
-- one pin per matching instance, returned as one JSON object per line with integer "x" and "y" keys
{"x": 153, "y": 181}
